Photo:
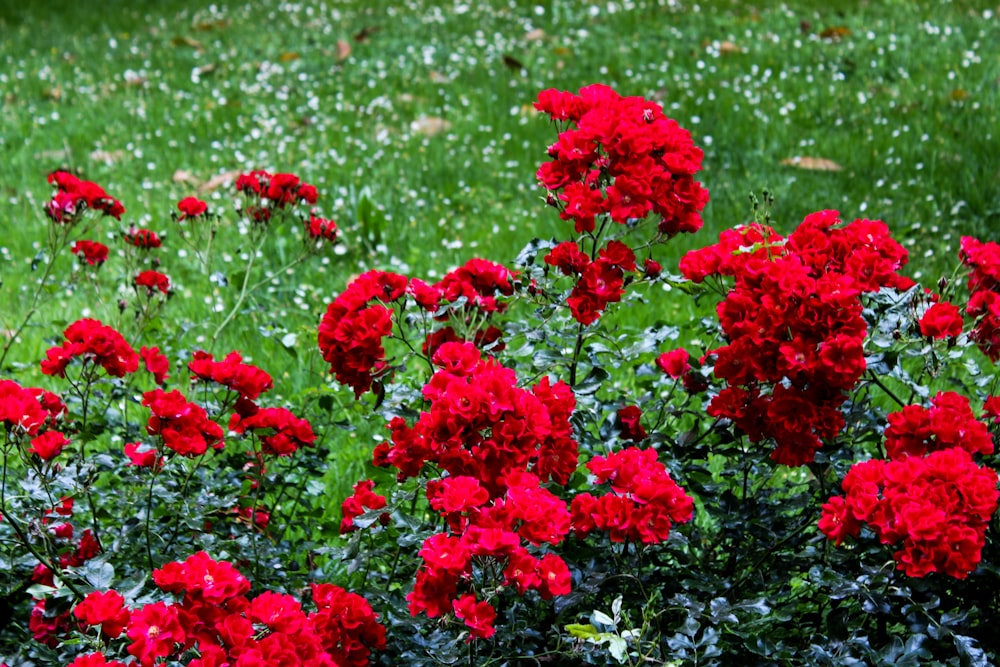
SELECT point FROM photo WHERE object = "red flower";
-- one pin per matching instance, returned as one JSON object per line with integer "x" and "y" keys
{"x": 146, "y": 458}
{"x": 156, "y": 363}
{"x": 105, "y": 609}
{"x": 94, "y": 660}
{"x": 628, "y": 423}
{"x": 153, "y": 281}
{"x": 142, "y": 238}
{"x": 202, "y": 579}
{"x": 321, "y": 229}
{"x": 20, "y": 411}
{"x": 74, "y": 195}
{"x": 93, "y": 341}
{"x": 184, "y": 427}
{"x": 478, "y": 616}
{"x": 191, "y": 207}
{"x": 346, "y": 625}
{"x": 48, "y": 445}
{"x": 674, "y": 363}
{"x": 155, "y": 630}
{"x": 286, "y": 431}
{"x": 91, "y": 252}
{"x": 362, "y": 500}
{"x": 942, "y": 320}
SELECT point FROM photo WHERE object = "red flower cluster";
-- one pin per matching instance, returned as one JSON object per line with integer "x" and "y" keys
{"x": 246, "y": 380}
{"x": 481, "y": 424}
{"x": 95, "y": 343}
{"x": 156, "y": 363}
{"x": 273, "y": 192}
{"x": 948, "y": 423}
{"x": 153, "y": 281}
{"x": 281, "y": 433}
{"x": 937, "y": 507}
{"x": 321, "y": 229}
{"x": 941, "y": 320}
{"x": 984, "y": 284}
{"x": 492, "y": 531}
{"x": 351, "y": 331}
{"x": 598, "y": 282}
{"x": 91, "y": 252}
{"x": 184, "y": 427}
{"x": 624, "y": 158}
{"x": 362, "y": 500}
{"x": 20, "y": 409}
{"x": 144, "y": 239}
{"x": 216, "y": 619}
{"x": 794, "y": 325}
{"x": 644, "y": 502}
{"x": 74, "y": 195}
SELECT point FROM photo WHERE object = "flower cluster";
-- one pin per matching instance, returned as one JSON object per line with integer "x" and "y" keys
{"x": 74, "y": 196}
{"x": 215, "y": 624}
{"x": 984, "y": 284}
{"x": 152, "y": 282}
{"x": 481, "y": 424}
{"x": 93, "y": 253}
{"x": 184, "y": 426}
{"x": 244, "y": 379}
{"x": 644, "y": 502}
{"x": 598, "y": 282}
{"x": 936, "y": 507}
{"x": 144, "y": 239}
{"x": 268, "y": 193}
{"x": 948, "y": 423}
{"x": 623, "y": 158}
{"x": 95, "y": 343}
{"x": 321, "y": 229}
{"x": 280, "y": 432}
{"x": 362, "y": 500}
{"x": 794, "y": 325}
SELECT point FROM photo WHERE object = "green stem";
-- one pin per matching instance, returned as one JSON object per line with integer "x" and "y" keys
{"x": 244, "y": 290}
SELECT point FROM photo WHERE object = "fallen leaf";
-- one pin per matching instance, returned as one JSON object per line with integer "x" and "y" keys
{"x": 534, "y": 35}
{"x": 218, "y": 181}
{"x": 438, "y": 77}
{"x": 107, "y": 157}
{"x": 184, "y": 40}
{"x": 958, "y": 95}
{"x": 362, "y": 35}
{"x": 217, "y": 24}
{"x": 812, "y": 163}
{"x": 184, "y": 176}
{"x": 513, "y": 63}
{"x": 343, "y": 50}
{"x": 728, "y": 47}
{"x": 805, "y": 27}
{"x": 133, "y": 79}
{"x": 289, "y": 56}
{"x": 430, "y": 125}
{"x": 562, "y": 51}
{"x": 54, "y": 94}
{"x": 835, "y": 32}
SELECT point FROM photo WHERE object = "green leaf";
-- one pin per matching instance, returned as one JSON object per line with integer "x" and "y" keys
{"x": 582, "y": 631}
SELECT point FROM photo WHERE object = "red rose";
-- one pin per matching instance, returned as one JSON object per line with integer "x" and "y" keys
{"x": 942, "y": 320}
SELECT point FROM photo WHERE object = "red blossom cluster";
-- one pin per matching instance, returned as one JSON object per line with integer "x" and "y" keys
{"x": 281, "y": 433}
{"x": 93, "y": 253}
{"x": 191, "y": 207}
{"x": 481, "y": 424}
{"x": 936, "y": 507}
{"x": 794, "y": 325}
{"x": 152, "y": 282}
{"x": 184, "y": 426}
{"x": 156, "y": 363}
{"x": 941, "y": 320}
{"x": 95, "y": 343}
{"x": 321, "y": 229}
{"x": 74, "y": 196}
{"x": 214, "y": 624}
{"x": 984, "y": 301}
{"x": 352, "y": 330}
{"x": 244, "y": 379}
{"x": 25, "y": 412}
{"x": 144, "y": 239}
{"x": 268, "y": 193}
{"x": 363, "y": 499}
{"x": 644, "y": 502}
{"x": 624, "y": 158}
{"x": 948, "y": 423}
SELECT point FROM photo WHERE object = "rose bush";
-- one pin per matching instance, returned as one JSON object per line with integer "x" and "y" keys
{"x": 548, "y": 484}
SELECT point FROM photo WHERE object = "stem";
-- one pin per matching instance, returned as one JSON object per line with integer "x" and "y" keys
{"x": 33, "y": 308}
{"x": 889, "y": 392}
{"x": 576, "y": 355}
{"x": 239, "y": 300}
{"x": 149, "y": 510}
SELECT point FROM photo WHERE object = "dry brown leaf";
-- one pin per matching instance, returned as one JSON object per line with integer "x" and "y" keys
{"x": 562, "y": 51}
{"x": 184, "y": 40}
{"x": 729, "y": 47}
{"x": 205, "y": 69}
{"x": 218, "y": 24}
{"x": 218, "y": 181}
{"x": 184, "y": 176}
{"x": 835, "y": 32}
{"x": 107, "y": 157}
{"x": 343, "y": 50}
{"x": 55, "y": 94}
{"x": 289, "y": 56}
{"x": 534, "y": 35}
{"x": 430, "y": 125}
{"x": 958, "y": 95}
{"x": 812, "y": 163}
{"x": 362, "y": 35}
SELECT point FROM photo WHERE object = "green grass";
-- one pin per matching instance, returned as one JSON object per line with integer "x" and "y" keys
{"x": 905, "y": 100}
